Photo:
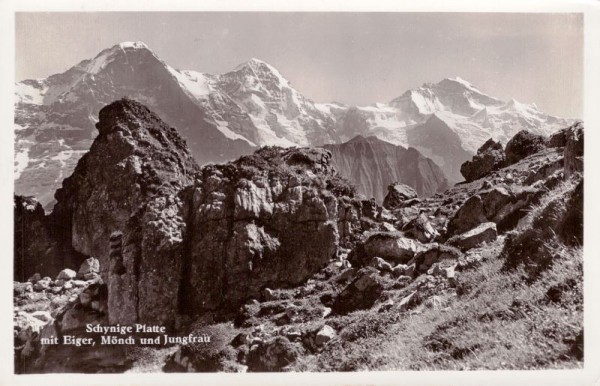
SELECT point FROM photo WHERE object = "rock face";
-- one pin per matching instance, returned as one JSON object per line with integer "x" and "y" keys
{"x": 372, "y": 164}
{"x": 37, "y": 242}
{"x": 489, "y": 157}
{"x": 397, "y": 194}
{"x": 574, "y": 149}
{"x": 266, "y": 220}
{"x": 523, "y": 144}
{"x": 169, "y": 238}
{"x": 131, "y": 182}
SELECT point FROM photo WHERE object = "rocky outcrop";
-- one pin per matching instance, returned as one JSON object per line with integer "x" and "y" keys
{"x": 501, "y": 205}
{"x": 573, "y": 153}
{"x": 37, "y": 242}
{"x": 169, "y": 238}
{"x": 490, "y": 156}
{"x": 397, "y": 194}
{"x": 372, "y": 164}
{"x": 266, "y": 220}
{"x": 131, "y": 182}
{"x": 523, "y": 144}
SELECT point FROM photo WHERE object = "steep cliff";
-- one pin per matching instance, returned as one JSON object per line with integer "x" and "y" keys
{"x": 372, "y": 164}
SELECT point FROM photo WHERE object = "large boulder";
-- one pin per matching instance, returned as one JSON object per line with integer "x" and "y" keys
{"x": 470, "y": 214}
{"x": 267, "y": 219}
{"x": 361, "y": 293}
{"x": 490, "y": 156}
{"x": 392, "y": 246}
{"x": 522, "y": 145}
{"x": 485, "y": 232}
{"x": 421, "y": 229}
{"x": 397, "y": 194}
{"x": 501, "y": 205}
{"x": 435, "y": 254}
{"x": 573, "y": 153}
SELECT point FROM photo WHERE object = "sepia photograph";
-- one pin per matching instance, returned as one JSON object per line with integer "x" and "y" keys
{"x": 297, "y": 192}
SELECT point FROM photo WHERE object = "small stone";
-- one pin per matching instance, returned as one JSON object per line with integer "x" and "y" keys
{"x": 66, "y": 274}
{"x": 407, "y": 301}
{"x": 240, "y": 339}
{"x": 35, "y": 278}
{"x": 291, "y": 312}
{"x": 381, "y": 264}
{"x": 399, "y": 270}
{"x": 79, "y": 283}
{"x": 90, "y": 265}
{"x": 293, "y": 335}
{"x": 41, "y": 285}
{"x": 324, "y": 335}
{"x": 485, "y": 232}
{"x": 386, "y": 306}
{"x": 268, "y": 294}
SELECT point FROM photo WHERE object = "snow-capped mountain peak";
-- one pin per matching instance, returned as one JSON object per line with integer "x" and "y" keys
{"x": 225, "y": 115}
{"x": 255, "y": 70}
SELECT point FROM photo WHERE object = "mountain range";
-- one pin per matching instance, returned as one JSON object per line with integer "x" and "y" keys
{"x": 224, "y": 116}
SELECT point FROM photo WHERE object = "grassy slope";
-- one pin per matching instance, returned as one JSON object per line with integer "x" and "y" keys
{"x": 494, "y": 319}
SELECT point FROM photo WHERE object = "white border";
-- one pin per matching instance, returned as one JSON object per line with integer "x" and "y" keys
{"x": 591, "y": 373}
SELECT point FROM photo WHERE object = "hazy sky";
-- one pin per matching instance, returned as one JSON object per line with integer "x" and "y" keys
{"x": 355, "y": 58}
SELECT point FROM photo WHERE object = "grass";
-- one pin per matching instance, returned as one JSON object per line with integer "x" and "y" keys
{"x": 498, "y": 322}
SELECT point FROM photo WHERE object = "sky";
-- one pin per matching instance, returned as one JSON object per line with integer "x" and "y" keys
{"x": 353, "y": 58}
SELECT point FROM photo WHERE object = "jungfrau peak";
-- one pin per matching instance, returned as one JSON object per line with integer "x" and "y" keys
{"x": 224, "y": 116}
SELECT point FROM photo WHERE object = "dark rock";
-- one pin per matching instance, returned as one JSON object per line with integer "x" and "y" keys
{"x": 558, "y": 139}
{"x": 471, "y": 214}
{"x": 434, "y": 254}
{"x": 574, "y": 150}
{"x": 397, "y": 194}
{"x": 130, "y": 182}
{"x": 38, "y": 246}
{"x": 522, "y": 145}
{"x": 273, "y": 355}
{"x": 361, "y": 293}
{"x": 421, "y": 229}
{"x": 490, "y": 156}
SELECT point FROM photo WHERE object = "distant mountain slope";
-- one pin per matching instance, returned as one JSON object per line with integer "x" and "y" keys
{"x": 372, "y": 164}
{"x": 224, "y": 116}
